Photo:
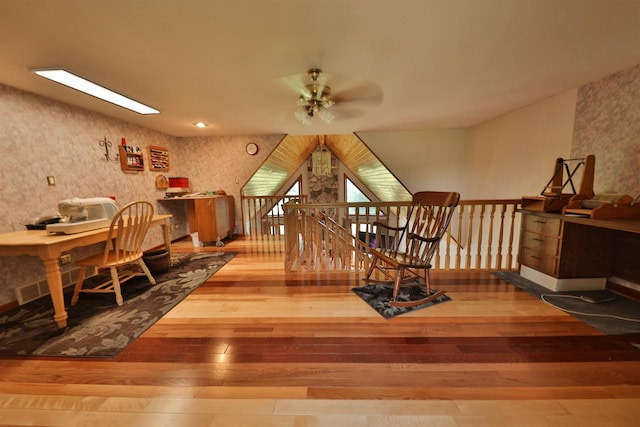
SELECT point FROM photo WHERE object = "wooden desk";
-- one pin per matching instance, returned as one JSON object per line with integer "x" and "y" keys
{"x": 564, "y": 252}
{"x": 49, "y": 247}
{"x": 628, "y": 225}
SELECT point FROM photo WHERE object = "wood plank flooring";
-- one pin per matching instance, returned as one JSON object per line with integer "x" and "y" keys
{"x": 254, "y": 346}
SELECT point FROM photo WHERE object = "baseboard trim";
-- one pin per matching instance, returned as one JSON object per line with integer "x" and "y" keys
{"x": 624, "y": 287}
{"x": 8, "y": 306}
{"x": 563, "y": 285}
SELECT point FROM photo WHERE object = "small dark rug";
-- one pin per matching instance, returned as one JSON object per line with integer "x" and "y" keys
{"x": 97, "y": 326}
{"x": 378, "y": 297}
{"x": 606, "y": 311}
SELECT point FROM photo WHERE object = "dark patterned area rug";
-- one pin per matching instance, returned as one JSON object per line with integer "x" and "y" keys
{"x": 378, "y": 297}
{"x": 97, "y": 326}
{"x": 606, "y": 311}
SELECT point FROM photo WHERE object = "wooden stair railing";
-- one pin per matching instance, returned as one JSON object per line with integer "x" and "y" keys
{"x": 322, "y": 237}
{"x": 262, "y": 216}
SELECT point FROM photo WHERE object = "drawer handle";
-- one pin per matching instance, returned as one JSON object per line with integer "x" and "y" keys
{"x": 536, "y": 257}
{"x": 539, "y": 222}
{"x": 537, "y": 240}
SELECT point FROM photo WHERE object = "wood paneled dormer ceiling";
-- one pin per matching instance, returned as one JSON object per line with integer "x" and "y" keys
{"x": 293, "y": 151}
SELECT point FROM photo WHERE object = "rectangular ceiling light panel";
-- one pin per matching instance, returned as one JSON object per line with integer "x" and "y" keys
{"x": 71, "y": 80}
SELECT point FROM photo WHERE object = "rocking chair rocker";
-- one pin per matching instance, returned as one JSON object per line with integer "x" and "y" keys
{"x": 404, "y": 253}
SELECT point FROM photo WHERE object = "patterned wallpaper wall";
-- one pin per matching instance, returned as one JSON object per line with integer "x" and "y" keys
{"x": 40, "y": 137}
{"x": 607, "y": 125}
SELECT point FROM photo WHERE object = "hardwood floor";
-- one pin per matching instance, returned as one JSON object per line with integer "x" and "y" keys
{"x": 256, "y": 347}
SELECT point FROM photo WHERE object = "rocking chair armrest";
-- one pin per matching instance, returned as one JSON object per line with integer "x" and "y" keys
{"x": 422, "y": 239}
{"x": 385, "y": 226}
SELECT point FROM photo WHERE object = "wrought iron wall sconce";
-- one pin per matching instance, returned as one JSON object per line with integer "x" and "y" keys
{"x": 107, "y": 144}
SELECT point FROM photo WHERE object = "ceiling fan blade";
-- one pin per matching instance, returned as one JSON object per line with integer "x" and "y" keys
{"x": 342, "y": 112}
{"x": 298, "y": 83}
{"x": 366, "y": 94}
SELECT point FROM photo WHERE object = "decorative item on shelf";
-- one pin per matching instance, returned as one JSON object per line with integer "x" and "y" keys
{"x": 604, "y": 206}
{"x": 178, "y": 186}
{"x": 553, "y": 197}
{"x": 107, "y": 144}
{"x": 158, "y": 158}
{"x": 131, "y": 159}
{"x": 162, "y": 183}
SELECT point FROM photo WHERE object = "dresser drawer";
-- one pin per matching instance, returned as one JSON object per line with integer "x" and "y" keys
{"x": 544, "y": 263}
{"x": 540, "y": 243}
{"x": 542, "y": 225}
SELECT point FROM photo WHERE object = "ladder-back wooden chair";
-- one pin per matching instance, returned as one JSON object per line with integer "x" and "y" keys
{"x": 403, "y": 254}
{"x": 124, "y": 248}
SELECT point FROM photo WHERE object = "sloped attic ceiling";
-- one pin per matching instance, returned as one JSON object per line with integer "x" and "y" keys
{"x": 293, "y": 151}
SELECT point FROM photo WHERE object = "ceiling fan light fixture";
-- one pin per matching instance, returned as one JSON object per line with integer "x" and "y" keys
{"x": 325, "y": 115}
{"x": 314, "y": 101}
{"x": 303, "y": 115}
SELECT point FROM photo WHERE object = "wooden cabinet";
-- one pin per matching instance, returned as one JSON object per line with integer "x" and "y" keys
{"x": 212, "y": 217}
{"x": 562, "y": 255}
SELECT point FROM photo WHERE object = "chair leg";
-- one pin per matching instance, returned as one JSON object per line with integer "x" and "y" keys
{"x": 427, "y": 281}
{"x": 396, "y": 284}
{"x": 116, "y": 284}
{"x": 372, "y": 266}
{"x": 79, "y": 282}
{"x": 146, "y": 271}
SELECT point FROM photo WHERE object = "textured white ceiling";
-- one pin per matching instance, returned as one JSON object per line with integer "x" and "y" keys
{"x": 439, "y": 64}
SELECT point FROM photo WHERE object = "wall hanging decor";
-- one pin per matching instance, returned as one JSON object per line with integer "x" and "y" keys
{"x": 158, "y": 158}
{"x": 107, "y": 144}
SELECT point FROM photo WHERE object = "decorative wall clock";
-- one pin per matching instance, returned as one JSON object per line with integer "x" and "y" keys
{"x": 252, "y": 148}
{"x": 162, "y": 182}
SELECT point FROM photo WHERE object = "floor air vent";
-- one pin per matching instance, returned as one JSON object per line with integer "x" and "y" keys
{"x": 33, "y": 291}
{"x": 27, "y": 293}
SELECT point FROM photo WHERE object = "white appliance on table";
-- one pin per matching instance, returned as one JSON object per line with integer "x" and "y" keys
{"x": 80, "y": 215}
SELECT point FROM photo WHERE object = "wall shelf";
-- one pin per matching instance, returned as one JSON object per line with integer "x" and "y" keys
{"x": 131, "y": 158}
{"x": 158, "y": 158}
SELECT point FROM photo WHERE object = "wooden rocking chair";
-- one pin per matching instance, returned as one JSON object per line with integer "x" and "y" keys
{"x": 403, "y": 254}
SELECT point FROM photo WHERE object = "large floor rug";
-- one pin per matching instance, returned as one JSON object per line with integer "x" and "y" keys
{"x": 97, "y": 326}
{"x": 378, "y": 296}
{"x": 611, "y": 313}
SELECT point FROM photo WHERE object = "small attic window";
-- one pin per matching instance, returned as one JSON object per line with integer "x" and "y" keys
{"x": 354, "y": 195}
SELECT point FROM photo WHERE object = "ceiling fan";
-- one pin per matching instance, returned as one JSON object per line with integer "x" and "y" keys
{"x": 315, "y": 98}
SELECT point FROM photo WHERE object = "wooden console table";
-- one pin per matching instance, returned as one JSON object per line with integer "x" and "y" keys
{"x": 49, "y": 247}
{"x": 564, "y": 252}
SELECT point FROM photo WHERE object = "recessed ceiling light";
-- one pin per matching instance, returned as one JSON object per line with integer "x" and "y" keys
{"x": 76, "y": 82}
{"x": 200, "y": 125}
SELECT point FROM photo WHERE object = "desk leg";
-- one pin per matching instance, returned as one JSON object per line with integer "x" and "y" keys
{"x": 166, "y": 233}
{"x": 54, "y": 280}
